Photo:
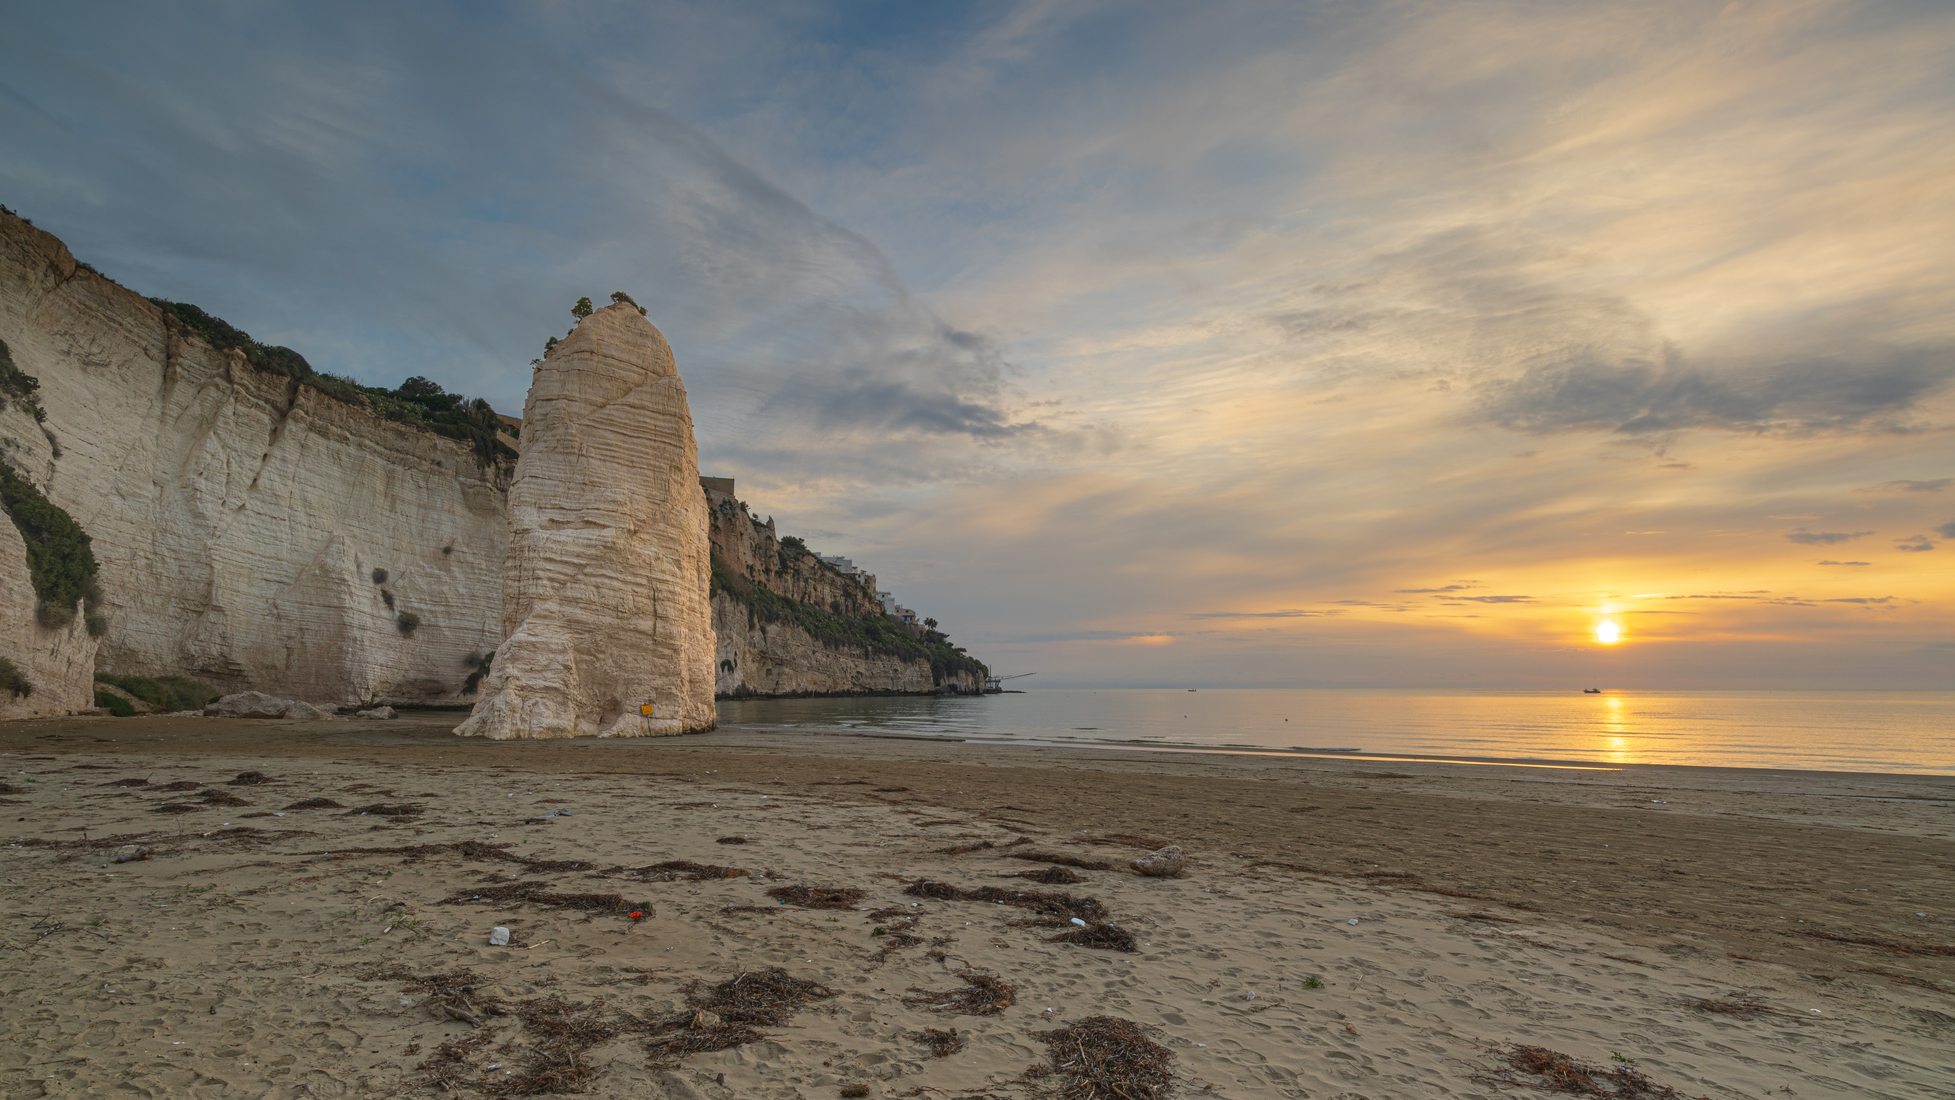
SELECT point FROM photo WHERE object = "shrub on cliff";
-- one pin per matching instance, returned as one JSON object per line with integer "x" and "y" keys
{"x": 407, "y": 622}
{"x": 113, "y": 703}
{"x": 164, "y": 692}
{"x": 19, "y": 385}
{"x": 12, "y": 681}
{"x": 60, "y": 559}
{"x": 480, "y": 666}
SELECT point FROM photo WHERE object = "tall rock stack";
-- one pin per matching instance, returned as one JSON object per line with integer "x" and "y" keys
{"x": 605, "y": 606}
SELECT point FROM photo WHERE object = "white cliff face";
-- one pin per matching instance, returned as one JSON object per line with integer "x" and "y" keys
{"x": 604, "y": 587}
{"x": 58, "y": 664}
{"x": 239, "y": 518}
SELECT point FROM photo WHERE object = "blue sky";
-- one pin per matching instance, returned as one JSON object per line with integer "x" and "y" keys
{"x": 1231, "y": 343}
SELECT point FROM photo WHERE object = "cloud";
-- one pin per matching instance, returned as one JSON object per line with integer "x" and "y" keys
{"x": 1582, "y": 389}
{"x": 1947, "y": 530}
{"x": 1934, "y": 485}
{"x": 1846, "y": 563}
{"x": 1136, "y": 637}
{"x": 1433, "y": 591}
{"x": 1286, "y": 613}
{"x": 1914, "y": 544}
{"x": 1491, "y": 599}
{"x": 1864, "y": 601}
{"x": 1824, "y": 538}
{"x": 892, "y": 406}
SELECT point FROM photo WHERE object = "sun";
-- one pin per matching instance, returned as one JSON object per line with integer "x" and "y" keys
{"x": 1608, "y": 632}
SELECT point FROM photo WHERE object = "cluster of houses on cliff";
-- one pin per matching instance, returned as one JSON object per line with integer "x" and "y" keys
{"x": 890, "y": 607}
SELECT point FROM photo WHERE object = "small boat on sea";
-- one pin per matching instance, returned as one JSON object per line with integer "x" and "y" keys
{"x": 1591, "y": 691}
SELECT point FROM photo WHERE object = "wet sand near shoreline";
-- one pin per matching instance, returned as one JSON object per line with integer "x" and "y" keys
{"x": 1730, "y": 932}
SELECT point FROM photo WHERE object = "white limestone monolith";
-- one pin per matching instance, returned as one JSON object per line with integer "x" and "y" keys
{"x": 605, "y": 607}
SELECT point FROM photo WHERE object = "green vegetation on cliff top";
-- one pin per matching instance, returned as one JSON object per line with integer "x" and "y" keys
{"x": 417, "y": 401}
{"x": 871, "y": 634}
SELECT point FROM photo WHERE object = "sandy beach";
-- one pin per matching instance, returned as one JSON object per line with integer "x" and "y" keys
{"x": 314, "y": 914}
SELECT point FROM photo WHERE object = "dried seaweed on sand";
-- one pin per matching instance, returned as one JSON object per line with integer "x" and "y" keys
{"x": 454, "y": 994}
{"x": 1102, "y": 1058}
{"x": 677, "y": 870}
{"x": 1045, "y": 902}
{"x": 1743, "y": 1007}
{"x": 760, "y": 997}
{"x": 726, "y": 1015}
{"x": 466, "y": 849}
{"x": 982, "y": 995}
{"x": 1101, "y": 935}
{"x": 316, "y": 804}
{"x": 560, "y": 1033}
{"x": 817, "y": 897}
{"x": 1553, "y": 1071}
{"x": 981, "y": 846}
{"x": 1051, "y": 876}
{"x": 539, "y": 893}
{"x": 1060, "y": 859}
{"x": 386, "y": 809}
{"x": 941, "y": 1042}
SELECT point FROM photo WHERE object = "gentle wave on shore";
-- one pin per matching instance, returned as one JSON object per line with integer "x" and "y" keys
{"x": 1863, "y": 731}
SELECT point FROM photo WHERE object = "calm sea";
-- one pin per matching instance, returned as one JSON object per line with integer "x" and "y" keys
{"x": 1876, "y": 731}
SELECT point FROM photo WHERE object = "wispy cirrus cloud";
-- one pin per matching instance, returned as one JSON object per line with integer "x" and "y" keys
{"x": 1931, "y": 485}
{"x": 1285, "y": 613}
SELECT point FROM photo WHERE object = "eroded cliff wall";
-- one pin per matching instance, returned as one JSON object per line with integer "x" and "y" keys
{"x": 787, "y": 623}
{"x": 240, "y": 517}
